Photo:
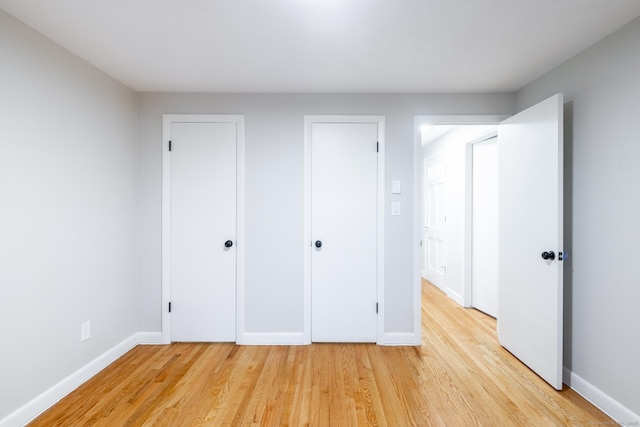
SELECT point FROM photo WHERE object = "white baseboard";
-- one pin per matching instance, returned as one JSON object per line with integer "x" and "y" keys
{"x": 600, "y": 399}
{"x": 298, "y": 338}
{"x": 149, "y": 338}
{"x": 455, "y": 296}
{"x": 44, "y": 401}
{"x": 401, "y": 338}
{"x": 275, "y": 338}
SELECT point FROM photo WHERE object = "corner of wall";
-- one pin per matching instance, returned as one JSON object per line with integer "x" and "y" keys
{"x": 32, "y": 409}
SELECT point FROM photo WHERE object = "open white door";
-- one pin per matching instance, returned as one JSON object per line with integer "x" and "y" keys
{"x": 434, "y": 221}
{"x": 530, "y": 237}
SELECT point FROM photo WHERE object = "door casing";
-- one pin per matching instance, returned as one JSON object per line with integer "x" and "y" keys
{"x": 307, "y": 240}
{"x": 167, "y": 120}
{"x": 484, "y": 271}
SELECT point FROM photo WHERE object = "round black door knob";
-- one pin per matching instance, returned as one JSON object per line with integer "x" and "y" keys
{"x": 549, "y": 255}
{"x": 228, "y": 244}
{"x": 318, "y": 244}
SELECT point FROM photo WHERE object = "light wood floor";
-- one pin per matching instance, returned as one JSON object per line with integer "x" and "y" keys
{"x": 460, "y": 376}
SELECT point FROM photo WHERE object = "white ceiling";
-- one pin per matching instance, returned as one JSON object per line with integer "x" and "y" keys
{"x": 325, "y": 45}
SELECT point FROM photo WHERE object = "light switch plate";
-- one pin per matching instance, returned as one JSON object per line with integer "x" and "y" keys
{"x": 395, "y": 187}
{"x": 395, "y": 208}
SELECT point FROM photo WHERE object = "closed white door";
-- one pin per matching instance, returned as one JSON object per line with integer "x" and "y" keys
{"x": 530, "y": 270}
{"x": 434, "y": 221}
{"x": 203, "y": 231}
{"x": 344, "y": 215}
{"x": 484, "y": 246}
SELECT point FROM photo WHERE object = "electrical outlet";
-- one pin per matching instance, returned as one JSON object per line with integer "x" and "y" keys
{"x": 85, "y": 331}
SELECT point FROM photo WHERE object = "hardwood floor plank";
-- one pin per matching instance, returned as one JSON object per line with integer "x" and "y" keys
{"x": 460, "y": 375}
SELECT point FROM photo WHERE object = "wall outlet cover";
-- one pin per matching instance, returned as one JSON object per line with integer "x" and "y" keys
{"x": 85, "y": 331}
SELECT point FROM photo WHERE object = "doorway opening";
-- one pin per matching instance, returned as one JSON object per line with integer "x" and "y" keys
{"x": 530, "y": 211}
{"x": 450, "y": 219}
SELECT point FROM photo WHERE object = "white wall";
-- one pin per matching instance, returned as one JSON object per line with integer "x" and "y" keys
{"x": 67, "y": 213}
{"x": 274, "y": 137}
{"x": 602, "y": 150}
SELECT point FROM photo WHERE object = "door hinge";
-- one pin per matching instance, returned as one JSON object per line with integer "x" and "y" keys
{"x": 169, "y": 145}
{"x": 376, "y": 308}
{"x": 377, "y": 146}
{"x": 169, "y": 307}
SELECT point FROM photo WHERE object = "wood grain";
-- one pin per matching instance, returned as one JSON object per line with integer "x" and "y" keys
{"x": 459, "y": 376}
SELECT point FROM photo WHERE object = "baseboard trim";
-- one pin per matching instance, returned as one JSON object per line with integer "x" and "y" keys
{"x": 150, "y": 338}
{"x": 600, "y": 399}
{"x": 455, "y": 296}
{"x": 272, "y": 338}
{"x": 401, "y": 338}
{"x": 44, "y": 401}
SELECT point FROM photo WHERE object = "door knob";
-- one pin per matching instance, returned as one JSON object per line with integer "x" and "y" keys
{"x": 549, "y": 255}
{"x": 228, "y": 244}
{"x": 318, "y": 244}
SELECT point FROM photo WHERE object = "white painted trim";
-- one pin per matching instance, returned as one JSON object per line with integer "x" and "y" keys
{"x": 306, "y": 235}
{"x": 401, "y": 339}
{"x": 466, "y": 297}
{"x": 240, "y": 232}
{"x": 468, "y": 227}
{"x": 454, "y": 296}
{"x": 149, "y": 338}
{"x": 166, "y": 229}
{"x": 418, "y": 227}
{"x": 601, "y": 400}
{"x": 274, "y": 338}
{"x": 48, "y": 398}
{"x": 167, "y": 119}
{"x": 381, "y": 225}
{"x": 470, "y": 119}
{"x": 308, "y": 121}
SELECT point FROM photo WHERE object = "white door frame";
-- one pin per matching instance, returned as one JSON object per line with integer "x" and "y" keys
{"x": 308, "y": 121}
{"x": 167, "y": 120}
{"x": 417, "y": 215}
{"x": 469, "y": 168}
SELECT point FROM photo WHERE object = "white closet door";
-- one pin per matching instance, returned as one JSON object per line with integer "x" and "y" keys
{"x": 344, "y": 232}
{"x": 203, "y": 231}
